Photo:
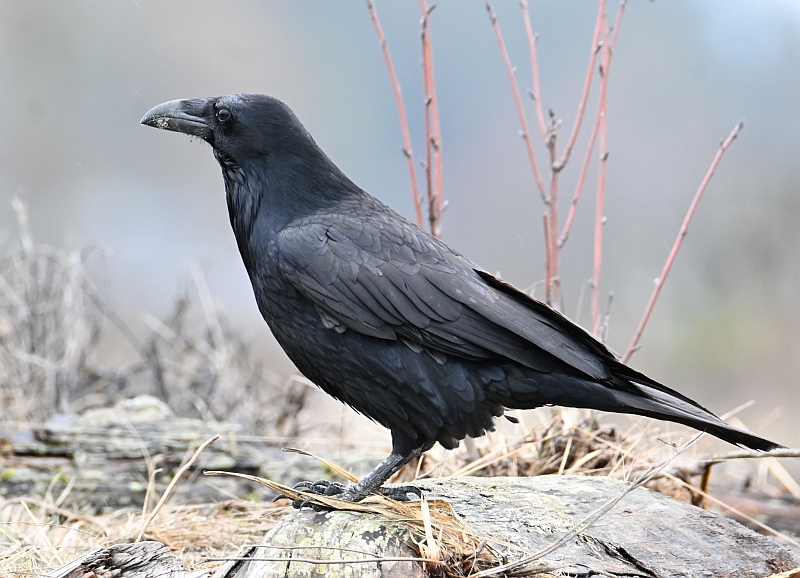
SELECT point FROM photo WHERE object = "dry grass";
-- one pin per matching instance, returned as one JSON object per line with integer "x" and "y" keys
{"x": 36, "y": 535}
{"x": 51, "y": 321}
{"x": 35, "y": 538}
{"x": 557, "y": 441}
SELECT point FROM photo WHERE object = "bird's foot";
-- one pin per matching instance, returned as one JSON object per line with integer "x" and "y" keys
{"x": 349, "y": 493}
{"x": 401, "y": 493}
{"x": 318, "y": 488}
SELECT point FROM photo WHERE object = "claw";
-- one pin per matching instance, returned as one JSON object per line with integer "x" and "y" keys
{"x": 400, "y": 493}
{"x": 342, "y": 492}
{"x": 319, "y": 488}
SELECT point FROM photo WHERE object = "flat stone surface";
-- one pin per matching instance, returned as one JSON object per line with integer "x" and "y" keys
{"x": 646, "y": 535}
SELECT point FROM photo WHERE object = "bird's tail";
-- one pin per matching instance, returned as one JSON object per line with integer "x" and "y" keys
{"x": 652, "y": 399}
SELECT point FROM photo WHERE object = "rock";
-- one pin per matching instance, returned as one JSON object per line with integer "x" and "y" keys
{"x": 139, "y": 560}
{"x": 645, "y": 535}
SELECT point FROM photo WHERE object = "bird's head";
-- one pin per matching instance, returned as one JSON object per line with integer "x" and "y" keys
{"x": 239, "y": 127}
{"x": 268, "y": 158}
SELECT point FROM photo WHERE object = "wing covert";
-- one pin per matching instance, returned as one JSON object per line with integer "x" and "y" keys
{"x": 394, "y": 281}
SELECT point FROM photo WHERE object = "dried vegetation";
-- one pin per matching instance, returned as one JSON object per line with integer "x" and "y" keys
{"x": 51, "y": 318}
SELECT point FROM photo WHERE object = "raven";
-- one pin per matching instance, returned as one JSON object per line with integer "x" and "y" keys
{"x": 387, "y": 318}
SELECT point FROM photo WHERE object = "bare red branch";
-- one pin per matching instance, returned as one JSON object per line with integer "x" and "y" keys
{"x": 587, "y": 83}
{"x": 398, "y": 94}
{"x": 592, "y": 139}
{"x": 598, "y": 227}
{"x": 573, "y": 207}
{"x": 433, "y": 138}
{"x": 428, "y": 130}
{"x": 599, "y": 220}
{"x": 659, "y": 282}
{"x": 536, "y": 94}
{"x": 547, "y": 258}
{"x": 552, "y": 227}
{"x": 518, "y": 102}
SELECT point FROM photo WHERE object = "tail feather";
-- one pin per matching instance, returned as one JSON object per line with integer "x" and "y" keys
{"x": 661, "y": 404}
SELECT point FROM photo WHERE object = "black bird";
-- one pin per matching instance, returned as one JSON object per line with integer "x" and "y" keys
{"x": 385, "y": 317}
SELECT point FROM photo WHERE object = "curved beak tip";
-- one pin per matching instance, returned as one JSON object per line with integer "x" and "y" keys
{"x": 177, "y": 116}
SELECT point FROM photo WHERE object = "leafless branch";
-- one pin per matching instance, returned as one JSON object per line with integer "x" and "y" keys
{"x": 587, "y": 83}
{"x": 297, "y": 560}
{"x": 433, "y": 137}
{"x": 548, "y": 256}
{"x": 536, "y": 93}
{"x": 659, "y": 282}
{"x": 600, "y": 219}
{"x": 401, "y": 109}
{"x": 518, "y": 102}
{"x": 578, "y": 188}
{"x": 552, "y": 210}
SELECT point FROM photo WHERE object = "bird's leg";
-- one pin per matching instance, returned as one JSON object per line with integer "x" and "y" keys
{"x": 376, "y": 478}
{"x": 372, "y": 482}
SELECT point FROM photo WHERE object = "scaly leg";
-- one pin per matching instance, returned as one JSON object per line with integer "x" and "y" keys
{"x": 372, "y": 482}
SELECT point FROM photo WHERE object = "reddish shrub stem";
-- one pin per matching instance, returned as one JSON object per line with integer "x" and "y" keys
{"x": 599, "y": 220}
{"x": 518, "y": 102}
{"x": 659, "y": 282}
{"x": 536, "y": 94}
{"x": 548, "y": 297}
{"x": 398, "y": 94}
{"x": 433, "y": 140}
{"x": 587, "y": 84}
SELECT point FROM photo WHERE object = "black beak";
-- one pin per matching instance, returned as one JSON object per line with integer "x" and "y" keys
{"x": 188, "y": 116}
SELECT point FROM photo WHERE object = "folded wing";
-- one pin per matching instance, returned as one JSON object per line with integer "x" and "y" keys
{"x": 389, "y": 280}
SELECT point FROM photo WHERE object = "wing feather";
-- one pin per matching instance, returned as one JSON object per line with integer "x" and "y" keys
{"x": 393, "y": 281}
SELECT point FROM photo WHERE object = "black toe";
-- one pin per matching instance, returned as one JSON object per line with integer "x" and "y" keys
{"x": 401, "y": 493}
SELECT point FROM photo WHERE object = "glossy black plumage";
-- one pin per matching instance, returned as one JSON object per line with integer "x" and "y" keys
{"x": 387, "y": 318}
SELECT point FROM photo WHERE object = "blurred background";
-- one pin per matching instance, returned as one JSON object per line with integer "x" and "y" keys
{"x": 77, "y": 76}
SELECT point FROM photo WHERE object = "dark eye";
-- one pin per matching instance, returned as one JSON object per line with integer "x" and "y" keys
{"x": 223, "y": 114}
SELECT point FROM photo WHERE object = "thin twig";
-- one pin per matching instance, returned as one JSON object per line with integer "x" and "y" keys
{"x": 401, "y": 109}
{"x": 587, "y": 84}
{"x": 729, "y": 508}
{"x": 329, "y": 562}
{"x": 535, "y": 94}
{"x": 548, "y": 257}
{"x": 590, "y": 147}
{"x": 553, "y": 213}
{"x": 608, "y": 51}
{"x": 436, "y": 143}
{"x": 579, "y": 187}
{"x": 704, "y": 462}
{"x": 599, "y": 219}
{"x": 310, "y": 547}
{"x": 659, "y": 282}
{"x": 588, "y": 520}
{"x": 428, "y": 164}
{"x": 171, "y": 485}
{"x": 518, "y": 102}
{"x": 433, "y": 140}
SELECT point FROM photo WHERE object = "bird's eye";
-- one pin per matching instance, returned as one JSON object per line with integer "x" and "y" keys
{"x": 223, "y": 114}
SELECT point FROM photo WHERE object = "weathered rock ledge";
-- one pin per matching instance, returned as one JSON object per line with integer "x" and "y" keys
{"x": 645, "y": 535}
